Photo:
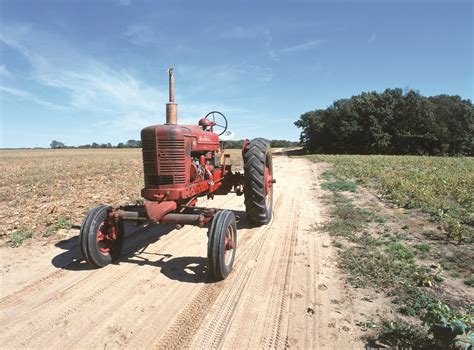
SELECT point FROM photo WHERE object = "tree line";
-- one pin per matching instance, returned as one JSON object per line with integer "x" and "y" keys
{"x": 235, "y": 144}
{"x": 128, "y": 144}
{"x": 392, "y": 122}
{"x": 137, "y": 144}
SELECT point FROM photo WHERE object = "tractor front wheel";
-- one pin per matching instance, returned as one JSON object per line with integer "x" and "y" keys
{"x": 222, "y": 244}
{"x": 258, "y": 181}
{"x": 100, "y": 241}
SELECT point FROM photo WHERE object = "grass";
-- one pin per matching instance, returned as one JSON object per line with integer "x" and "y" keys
{"x": 377, "y": 257}
{"x": 470, "y": 281}
{"x": 340, "y": 185}
{"x": 423, "y": 247}
{"x": 440, "y": 186}
{"x": 20, "y": 236}
{"x": 62, "y": 223}
{"x": 403, "y": 334}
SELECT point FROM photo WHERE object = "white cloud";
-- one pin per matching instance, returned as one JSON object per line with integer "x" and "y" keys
{"x": 120, "y": 102}
{"x": 308, "y": 45}
{"x": 89, "y": 84}
{"x": 25, "y": 95}
{"x": 372, "y": 38}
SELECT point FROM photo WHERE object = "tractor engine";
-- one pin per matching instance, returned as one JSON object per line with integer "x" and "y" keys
{"x": 180, "y": 162}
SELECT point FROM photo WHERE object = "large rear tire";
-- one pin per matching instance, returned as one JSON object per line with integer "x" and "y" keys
{"x": 222, "y": 244}
{"x": 258, "y": 181}
{"x": 100, "y": 242}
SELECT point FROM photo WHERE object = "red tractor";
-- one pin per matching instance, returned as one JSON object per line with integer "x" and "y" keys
{"x": 180, "y": 164}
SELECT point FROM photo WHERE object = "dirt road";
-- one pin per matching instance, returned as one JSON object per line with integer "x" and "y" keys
{"x": 284, "y": 291}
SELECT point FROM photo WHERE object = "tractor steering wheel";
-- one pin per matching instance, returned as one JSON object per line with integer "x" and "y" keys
{"x": 212, "y": 117}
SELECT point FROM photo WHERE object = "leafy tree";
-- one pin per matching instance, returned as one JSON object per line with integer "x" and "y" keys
{"x": 57, "y": 144}
{"x": 236, "y": 144}
{"x": 392, "y": 122}
{"x": 133, "y": 144}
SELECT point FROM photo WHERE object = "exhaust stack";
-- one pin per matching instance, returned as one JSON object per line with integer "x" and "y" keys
{"x": 171, "y": 107}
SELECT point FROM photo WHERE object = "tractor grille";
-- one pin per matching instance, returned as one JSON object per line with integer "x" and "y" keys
{"x": 171, "y": 161}
{"x": 149, "y": 162}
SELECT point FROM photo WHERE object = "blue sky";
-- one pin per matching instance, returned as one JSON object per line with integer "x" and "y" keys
{"x": 85, "y": 71}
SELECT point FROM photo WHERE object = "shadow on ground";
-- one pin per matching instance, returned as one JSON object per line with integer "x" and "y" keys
{"x": 137, "y": 239}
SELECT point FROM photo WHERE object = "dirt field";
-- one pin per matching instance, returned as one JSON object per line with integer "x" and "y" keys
{"x": 285, "y": 289}
{"x": 43, "y": 190}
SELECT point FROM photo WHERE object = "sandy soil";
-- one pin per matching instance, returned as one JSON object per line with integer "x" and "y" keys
{"x": 285, "y": 289}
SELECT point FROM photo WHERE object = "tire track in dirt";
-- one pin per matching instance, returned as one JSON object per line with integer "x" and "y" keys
{"x": 260, "y": 319}
{"x": 73, "y": 300}
{"x": 158, "y": 294}
{"x": 210, "y": 333}
{"x": 145, "y": 335}
{"x": 16, "y": 297}
{"x": 214, "y": 328}
{"x": 75, "y": 297}
{"x": 80, "y": 295}
{"x": 278, "y": 312}
{"x": 189, "y": 321}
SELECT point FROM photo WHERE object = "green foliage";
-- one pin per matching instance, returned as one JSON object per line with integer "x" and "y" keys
{"x": 440, "y": 186}
{"x": 470, "y": 281}
{"x": 237, "y": 144}
{"x": 57, "y": 144}
{"x": 19, "y": 236}
{"x": 340, "y": 185}
{"x": 391, "y": 122}
{"x": 456, "y": 230}
{"x": 384, "y": 262}
{"x": 423, "y": 247}
{"x": 62, "y": 223}
{"x": 411, "y": 297}
{"x": 399, "y": 251}
{"x": 128, "y": 144}
{"x": 404, "y": 335}
{"x": 328, "y": 175}
{"x": 446, "y": 325}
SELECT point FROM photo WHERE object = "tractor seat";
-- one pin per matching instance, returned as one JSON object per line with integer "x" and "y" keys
{"x": 205, "y": 123}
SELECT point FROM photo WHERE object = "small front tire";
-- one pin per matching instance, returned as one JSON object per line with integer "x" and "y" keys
{"x": 222, "y": 244}
{"x": 100, "y": 242}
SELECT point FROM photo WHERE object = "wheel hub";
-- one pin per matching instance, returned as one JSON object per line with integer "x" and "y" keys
{"x": 229, "y": 245}
{"x": 106, "y": 237}
{"x": 268, "y": 183}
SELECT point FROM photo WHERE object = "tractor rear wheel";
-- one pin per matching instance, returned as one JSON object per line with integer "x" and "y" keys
{"x": 222, "y": 244}
{"x": 258, "y": 181}
{"x": 100, "y": 241}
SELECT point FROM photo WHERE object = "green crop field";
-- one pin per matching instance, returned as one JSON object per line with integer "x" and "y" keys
{"x": 440, "y": 186}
